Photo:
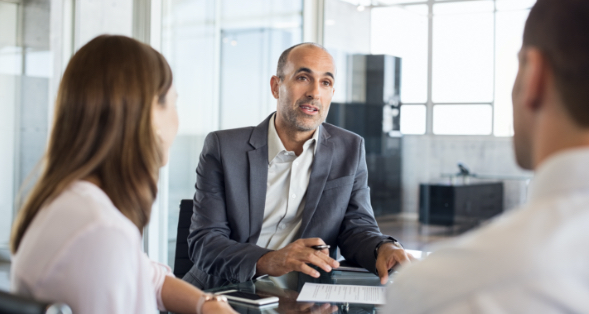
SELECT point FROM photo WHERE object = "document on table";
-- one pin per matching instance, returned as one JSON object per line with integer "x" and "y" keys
{"x": 315, "y": 292}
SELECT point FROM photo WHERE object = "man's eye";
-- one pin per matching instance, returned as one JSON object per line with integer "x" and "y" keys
{"x": 301, "y": 78}
{"x": 327, "y": 83}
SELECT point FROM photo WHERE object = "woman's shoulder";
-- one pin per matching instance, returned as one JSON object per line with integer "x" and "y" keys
{"x": 83, "y": 205}
{"x": 81, "y": 216}
{"x": 80, "y": 209}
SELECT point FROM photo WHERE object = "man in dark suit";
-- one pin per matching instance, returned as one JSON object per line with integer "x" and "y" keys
{"x": 266, "y": 195}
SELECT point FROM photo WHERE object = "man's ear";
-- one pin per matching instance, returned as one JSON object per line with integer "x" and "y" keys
{"x": 535, "y": 77}
{"x": 275, "y": 86}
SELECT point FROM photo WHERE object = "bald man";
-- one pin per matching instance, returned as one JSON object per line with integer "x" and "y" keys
{"x": 266, "y": 195}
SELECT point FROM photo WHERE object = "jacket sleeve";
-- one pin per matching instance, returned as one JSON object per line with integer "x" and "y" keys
{"x": 209, "y": 242}
{"x": 359, "y": 233}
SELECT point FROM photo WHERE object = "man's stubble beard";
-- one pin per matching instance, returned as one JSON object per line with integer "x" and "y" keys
{"x": 291, "y": 116}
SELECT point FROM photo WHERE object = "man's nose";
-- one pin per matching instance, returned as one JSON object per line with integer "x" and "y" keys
{"x": 314, "y": 90}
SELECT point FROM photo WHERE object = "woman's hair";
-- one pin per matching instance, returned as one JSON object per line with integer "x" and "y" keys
{"x": 103, "y": 128}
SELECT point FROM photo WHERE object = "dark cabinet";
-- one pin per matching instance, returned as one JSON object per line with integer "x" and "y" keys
{"x": 467, "y": 204}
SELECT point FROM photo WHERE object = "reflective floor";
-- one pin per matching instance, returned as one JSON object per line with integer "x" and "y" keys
{"x": 413, "y": 235}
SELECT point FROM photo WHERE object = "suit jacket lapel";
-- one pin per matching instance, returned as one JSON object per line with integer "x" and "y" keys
{"x": 258, "y": 177}
{"x": 319, "y": 174}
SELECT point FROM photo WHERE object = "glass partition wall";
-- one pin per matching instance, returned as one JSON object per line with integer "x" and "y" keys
{"x": 25, "y": 74}
{"x": 223, "y": 54}
{"x": 10, "y": 68}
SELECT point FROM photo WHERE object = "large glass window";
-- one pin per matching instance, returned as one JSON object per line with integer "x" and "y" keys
{"x": 404, "y": 36}
{"x": 463, "y": 52}
{"x": 509, "y": 29}
{"x": 223, "y": 54}
{"x": 454, "y": 53}
{"x": 463, "y": 119}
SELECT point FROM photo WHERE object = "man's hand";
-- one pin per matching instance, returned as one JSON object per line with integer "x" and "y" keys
{"x": 389, "y": 255}
{"x": 295, "y": 257}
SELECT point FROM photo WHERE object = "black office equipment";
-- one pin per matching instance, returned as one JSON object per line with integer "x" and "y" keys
{"x": 373, "y": 112}
{"x": 182, "y": 262}
{"x": 463, "y": 204}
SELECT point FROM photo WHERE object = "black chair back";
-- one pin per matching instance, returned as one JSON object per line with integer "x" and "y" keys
{"x": 15, "y": 304}
{"x": 182, "y": 262}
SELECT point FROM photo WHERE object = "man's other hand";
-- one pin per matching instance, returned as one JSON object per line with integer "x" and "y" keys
{"x": 390, "y": 255}
{"x": 295, "y": 257}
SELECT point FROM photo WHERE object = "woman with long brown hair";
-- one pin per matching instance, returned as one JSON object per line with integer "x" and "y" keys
{"x": 77, "y": 239}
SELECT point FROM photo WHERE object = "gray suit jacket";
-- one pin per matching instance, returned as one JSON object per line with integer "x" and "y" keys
{"x": 230, "y": 198}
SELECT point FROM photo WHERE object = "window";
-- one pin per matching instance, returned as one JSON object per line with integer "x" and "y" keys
{"x": 463, "y": 52}
{"x": 404, "y": 36}
{"x": 414, "y": 121}
{"x": 463, "y": 119}
{"x": 459, "y": 62}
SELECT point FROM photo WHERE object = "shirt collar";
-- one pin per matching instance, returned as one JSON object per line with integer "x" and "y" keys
{"x": 563, "y": 172}
{"x": 275, "y": 145}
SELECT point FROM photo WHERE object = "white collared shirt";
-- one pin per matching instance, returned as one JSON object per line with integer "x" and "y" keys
{"x": 288, "y": 178}
{"x": 531, "y": 260}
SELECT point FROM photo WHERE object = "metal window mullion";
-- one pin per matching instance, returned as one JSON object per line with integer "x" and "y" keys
{"x": 494, "y": 66}
{"x": 313, "y": 21}
{"x": 463, "y": 103}
{"x": 17, "y": 200}
{"x": 217, "y": 68}
{"x": 429, "y": 126}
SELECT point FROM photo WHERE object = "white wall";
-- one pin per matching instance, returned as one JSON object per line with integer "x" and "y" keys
{"x": 96, "y": 17}
{"x": 426, "y": 158}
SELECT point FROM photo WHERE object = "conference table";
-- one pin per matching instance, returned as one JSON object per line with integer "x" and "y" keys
{"x": 287, "y": 296}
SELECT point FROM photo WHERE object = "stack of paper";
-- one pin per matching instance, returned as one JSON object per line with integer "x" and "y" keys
{"x": 314, "y": 292}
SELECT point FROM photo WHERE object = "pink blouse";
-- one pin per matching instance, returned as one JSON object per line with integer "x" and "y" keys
{"x": 80, "y": 250}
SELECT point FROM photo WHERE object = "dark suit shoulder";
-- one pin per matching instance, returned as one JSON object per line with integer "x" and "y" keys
{"x": 244, "y": 132}
{"x": 341, "y": 135}
{"x": 238, "y": 134}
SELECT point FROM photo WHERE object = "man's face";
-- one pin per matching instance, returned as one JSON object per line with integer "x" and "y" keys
{"x": 304, "y": 94}
{"x": 522, "y": 126}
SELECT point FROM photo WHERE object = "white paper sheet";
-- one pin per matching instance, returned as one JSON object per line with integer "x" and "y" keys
{"x": 314, "y": 292}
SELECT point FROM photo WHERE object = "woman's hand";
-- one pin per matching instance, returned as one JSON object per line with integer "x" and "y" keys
{"x": 212, "y": 307}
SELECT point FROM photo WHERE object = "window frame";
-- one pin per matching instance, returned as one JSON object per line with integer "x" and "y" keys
{"x": 430, "y": 104}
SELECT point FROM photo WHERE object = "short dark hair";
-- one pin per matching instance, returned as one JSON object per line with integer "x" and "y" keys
{"x": 284, "y": 57}
{"x": 559, "y": 29}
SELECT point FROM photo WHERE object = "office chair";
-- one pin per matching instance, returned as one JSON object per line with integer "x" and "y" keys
{"x": 15, "y": 304}
{"x": 182, "y": 262}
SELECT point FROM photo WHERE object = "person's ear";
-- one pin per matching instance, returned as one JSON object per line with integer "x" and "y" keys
{"x": 534, "y": 78}
{"x": 275, "y": 86}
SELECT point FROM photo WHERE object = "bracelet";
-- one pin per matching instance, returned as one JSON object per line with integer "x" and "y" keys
{"x": 206, "y": 297}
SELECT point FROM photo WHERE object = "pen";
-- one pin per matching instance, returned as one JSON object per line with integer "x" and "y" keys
{"x": 320, "y": 247}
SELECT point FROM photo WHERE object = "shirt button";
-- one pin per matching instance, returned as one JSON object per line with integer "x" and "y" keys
{"x": 293, "y": 196}
{"x": 296, "y": 163}
{"x": 281, "y": 226}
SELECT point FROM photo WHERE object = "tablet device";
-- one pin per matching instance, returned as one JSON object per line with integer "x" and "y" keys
{"x": 247, "y": 297}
